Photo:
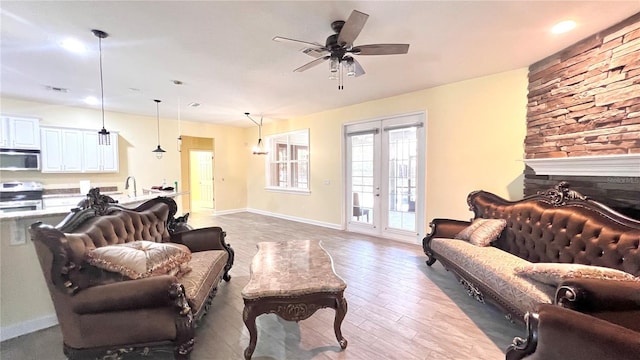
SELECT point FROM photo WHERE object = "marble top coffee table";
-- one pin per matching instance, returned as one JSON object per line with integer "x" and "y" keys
{"x": 292, "y": 279}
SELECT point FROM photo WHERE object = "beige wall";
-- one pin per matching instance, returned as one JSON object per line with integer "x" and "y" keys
{"x": 475, "y": 132}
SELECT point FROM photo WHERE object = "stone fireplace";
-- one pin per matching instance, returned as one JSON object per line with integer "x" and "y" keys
{"x": 584, "y": 108}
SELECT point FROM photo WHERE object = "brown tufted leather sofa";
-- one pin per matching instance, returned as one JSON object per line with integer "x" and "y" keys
{"x": 556, "y": 226}
{"x": 105, "y": 315}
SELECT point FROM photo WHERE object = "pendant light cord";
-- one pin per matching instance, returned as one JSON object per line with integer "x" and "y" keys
{"x": 158, "y": 118}
{"x": 101, "y": 81}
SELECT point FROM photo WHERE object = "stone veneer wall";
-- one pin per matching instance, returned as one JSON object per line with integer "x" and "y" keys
{"x": 584, "y": 101}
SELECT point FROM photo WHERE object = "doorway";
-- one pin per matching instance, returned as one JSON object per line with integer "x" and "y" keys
{"x": 201, "y": 178}
{"x": 385, "y": 177}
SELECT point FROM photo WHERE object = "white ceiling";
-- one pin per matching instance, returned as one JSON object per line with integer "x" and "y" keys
{"x": 224, "y": 53}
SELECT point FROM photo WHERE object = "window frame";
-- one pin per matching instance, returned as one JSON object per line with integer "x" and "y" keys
{"x": 277, "y": 142}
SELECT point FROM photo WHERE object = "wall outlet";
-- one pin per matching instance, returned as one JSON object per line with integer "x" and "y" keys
{"x": 18, "y": 231}
{"x": 326, "y": 182}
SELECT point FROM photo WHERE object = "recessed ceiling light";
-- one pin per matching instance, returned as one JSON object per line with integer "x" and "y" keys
{"x": 563, "y": 27}
{"x": 194, "y": 104}
{"x": 91, "y": 100}
{"x": 73, "y": 45}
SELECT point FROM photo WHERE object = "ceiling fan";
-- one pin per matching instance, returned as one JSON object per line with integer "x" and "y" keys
{"x": 339, "y": 48}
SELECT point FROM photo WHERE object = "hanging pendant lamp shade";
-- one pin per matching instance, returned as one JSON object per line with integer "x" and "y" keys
{"x": 259, "y": 148}
{"x": 104, "y": 136}
{"x": 158, "y": 151}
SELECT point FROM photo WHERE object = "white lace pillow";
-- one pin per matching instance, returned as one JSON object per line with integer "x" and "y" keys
{"x": 482, "y": 232}
{"x": 555, "y": 273}
{"x": 140, "y": 259}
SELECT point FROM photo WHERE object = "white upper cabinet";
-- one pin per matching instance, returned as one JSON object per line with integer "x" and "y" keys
{"x": 100, "y": 158}
{"x": 20, "y": 133}
{"x": 4, "y": 132}
{"x": 77, "y": 151}
{"x": 51, "y": 154}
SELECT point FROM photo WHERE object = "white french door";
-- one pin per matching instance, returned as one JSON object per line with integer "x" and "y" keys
{"x": 385, "y": 177}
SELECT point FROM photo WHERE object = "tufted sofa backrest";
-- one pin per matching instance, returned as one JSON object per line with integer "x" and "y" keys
{"x": 563, "y": 229}
{"x": 119, "y": 226}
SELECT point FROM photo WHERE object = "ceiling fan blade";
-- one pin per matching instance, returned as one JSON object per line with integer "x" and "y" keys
{"x": 311, "y": 64}
{"x": 285, "y": 40}
{"x": 351, "y": 29}
{"x": 359, "y": 69}
{"x": 381, "y": 49}
{"x": 316, "y": 52}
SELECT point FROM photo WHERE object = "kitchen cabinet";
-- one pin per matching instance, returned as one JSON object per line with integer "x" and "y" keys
{"x": 77, "y": 151}
{"x": 100, "y": 158}
{"x": 19, "y": 133}
{"x": 61, "y": 150}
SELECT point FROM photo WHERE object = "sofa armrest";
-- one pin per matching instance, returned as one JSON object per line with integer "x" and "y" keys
{"x": 446, "y": 228}
{"x": 441, "y": 228}
{"x": 595, "y": 295}
{"x": 559, "y": 333}
{"x": 151, "y": 292}
{"x": 203, "y": 239}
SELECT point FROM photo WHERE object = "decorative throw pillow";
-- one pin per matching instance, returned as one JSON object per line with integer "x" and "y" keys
{"x": 140, "y": 259}
{"x": 555, "y": 273}
{"x": 482, "y": 232}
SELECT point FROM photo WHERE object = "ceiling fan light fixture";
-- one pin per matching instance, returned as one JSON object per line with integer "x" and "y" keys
{"x": 334, "y": 65}
{"x": 351, "y": 67}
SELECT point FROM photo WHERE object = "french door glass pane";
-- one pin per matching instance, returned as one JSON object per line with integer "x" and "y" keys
{"x": 362, "y": 178}
{"x": 402, "y": 178}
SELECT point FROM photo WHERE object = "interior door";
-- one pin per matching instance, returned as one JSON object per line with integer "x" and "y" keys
{"x": 202, "y": 179}
{"x": 385, "y": 177}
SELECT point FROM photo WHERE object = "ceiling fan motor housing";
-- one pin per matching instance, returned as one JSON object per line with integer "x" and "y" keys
{"x": 337, "y": 25}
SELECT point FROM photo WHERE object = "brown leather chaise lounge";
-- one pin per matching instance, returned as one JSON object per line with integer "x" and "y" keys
{"x": 590, "y": 309}
{"x": 115, "y": 312}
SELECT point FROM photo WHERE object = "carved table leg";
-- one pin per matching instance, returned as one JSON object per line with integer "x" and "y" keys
{"x": 250, "y": 322}
{"x": 341, "y": 312}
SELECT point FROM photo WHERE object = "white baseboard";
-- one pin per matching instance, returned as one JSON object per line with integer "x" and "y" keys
{"x": 232, "y": 211}
{"x": 29, "y": 326}
{"x": 297, "y": 219}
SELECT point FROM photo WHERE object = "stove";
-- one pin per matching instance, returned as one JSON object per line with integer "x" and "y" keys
{"x": 20, "y": 196}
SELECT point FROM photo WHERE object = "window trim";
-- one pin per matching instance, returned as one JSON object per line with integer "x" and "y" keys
{"x": 270, "y": 162}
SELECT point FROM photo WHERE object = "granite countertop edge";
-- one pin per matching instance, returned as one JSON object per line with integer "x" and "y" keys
{"x": 51, "y": 212}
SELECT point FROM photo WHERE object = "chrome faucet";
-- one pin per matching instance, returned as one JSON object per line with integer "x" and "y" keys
{"x": 126, "y": 185}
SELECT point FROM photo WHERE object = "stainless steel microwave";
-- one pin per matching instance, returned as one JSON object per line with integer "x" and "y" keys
{"x": 13, "y": 159}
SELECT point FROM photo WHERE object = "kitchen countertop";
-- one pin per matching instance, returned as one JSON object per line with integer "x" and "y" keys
{"x": 66, "y": 195}
{"x": 122, "y": 200}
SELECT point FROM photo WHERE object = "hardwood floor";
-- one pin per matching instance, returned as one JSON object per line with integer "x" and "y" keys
{"x": 398, "y": 308}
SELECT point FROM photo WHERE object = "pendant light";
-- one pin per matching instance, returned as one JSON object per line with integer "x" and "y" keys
{"x": 179, "y": 139}
{"x": 104, "y": 137}
{"x": 159, "y": 151}
{"x": 259, "y": 148}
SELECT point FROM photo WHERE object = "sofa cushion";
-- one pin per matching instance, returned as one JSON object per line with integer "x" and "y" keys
{"x": 140, "y": 259}
{"x": 206, "y": 272}
{"x": 555, "y": 273}
{"x": 482, "y": 232}
{"x": 495, "y": 269}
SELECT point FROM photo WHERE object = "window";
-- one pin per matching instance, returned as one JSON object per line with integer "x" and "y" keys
{"x": 288, "y": 161}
